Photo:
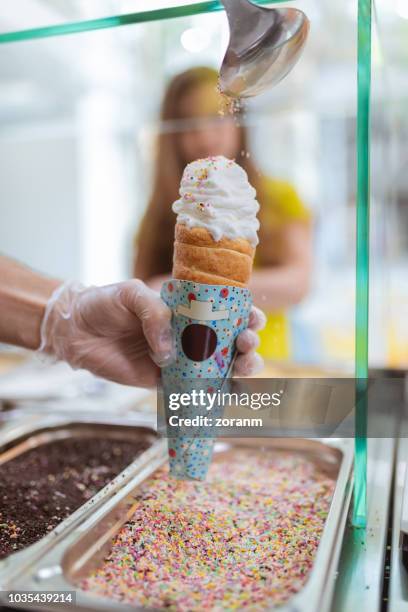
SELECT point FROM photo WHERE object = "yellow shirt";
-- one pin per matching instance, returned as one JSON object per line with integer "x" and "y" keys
{"x": 280, "y": 205}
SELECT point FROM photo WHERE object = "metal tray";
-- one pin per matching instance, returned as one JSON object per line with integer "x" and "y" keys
{"x": 20, "y": 437}
{"x": 24, "y": 421}
{"x": 398, "y": 590}
{"x": 74, "y": 557}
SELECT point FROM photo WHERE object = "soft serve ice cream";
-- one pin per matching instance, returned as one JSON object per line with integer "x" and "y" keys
{"x": 215, "y": 195}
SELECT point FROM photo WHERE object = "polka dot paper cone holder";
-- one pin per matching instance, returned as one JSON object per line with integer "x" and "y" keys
{"x": 206, "y": 321}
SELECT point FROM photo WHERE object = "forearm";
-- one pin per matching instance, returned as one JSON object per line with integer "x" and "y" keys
{"x": 275, "y": 289}
{"x": 23, "y": 297}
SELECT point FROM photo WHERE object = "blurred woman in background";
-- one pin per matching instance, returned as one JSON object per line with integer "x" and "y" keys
{"x": 204, "y": 126}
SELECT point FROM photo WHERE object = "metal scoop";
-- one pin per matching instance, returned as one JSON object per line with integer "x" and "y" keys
{"x": 264, "y": 46}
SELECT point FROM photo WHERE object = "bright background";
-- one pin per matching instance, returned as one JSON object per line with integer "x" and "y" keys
{"x": 78, "y": 118}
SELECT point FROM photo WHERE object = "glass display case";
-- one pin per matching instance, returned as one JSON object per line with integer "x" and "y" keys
{"x": 79, "y": 126}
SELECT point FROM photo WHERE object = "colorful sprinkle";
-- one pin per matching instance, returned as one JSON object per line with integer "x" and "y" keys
{"x": 244, "y": 539}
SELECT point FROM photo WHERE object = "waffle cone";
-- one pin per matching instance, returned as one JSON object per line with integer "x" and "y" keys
{"x": 201, "y": 259}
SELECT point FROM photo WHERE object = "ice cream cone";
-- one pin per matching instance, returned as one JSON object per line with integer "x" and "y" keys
{"x": 216, "y": 236}
{"x": 201, "y": 259}
{"x": 216, "y": 231}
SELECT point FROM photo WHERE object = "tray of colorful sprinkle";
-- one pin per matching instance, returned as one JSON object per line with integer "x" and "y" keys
{"x": 263, "y": 531}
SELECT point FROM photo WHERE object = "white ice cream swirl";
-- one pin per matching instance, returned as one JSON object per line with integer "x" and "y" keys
{"x": 215, "y": 194}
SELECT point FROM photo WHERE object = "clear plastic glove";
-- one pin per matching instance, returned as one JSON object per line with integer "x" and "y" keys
{"x": 123, "y": 332}
{"x": 248, "y": 362}
{"x": 120, "y": 332}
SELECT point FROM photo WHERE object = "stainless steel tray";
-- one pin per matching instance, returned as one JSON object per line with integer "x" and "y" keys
{"x": 398, "y": 592}
{"x": 21, "y": 436}
{"x": 82, "y": 550}
{"x": 26, "y": 420}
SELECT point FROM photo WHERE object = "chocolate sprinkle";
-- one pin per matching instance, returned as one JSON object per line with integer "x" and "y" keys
{"x": 45, "y": 485}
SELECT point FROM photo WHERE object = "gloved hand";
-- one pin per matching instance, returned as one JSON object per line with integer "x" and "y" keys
{"x": 248, "y": 362}
{"x": 122, "y": 332}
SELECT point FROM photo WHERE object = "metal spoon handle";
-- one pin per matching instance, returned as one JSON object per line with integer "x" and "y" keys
{"x": 236, "y": 6}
